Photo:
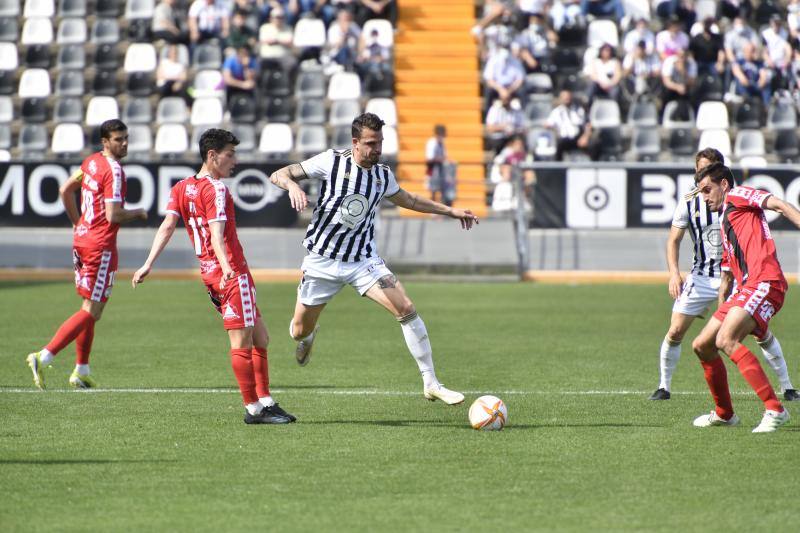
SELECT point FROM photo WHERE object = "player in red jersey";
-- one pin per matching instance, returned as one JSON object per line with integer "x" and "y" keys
{"x": 748, "y": 251}
{"x": 206, "y": 207}
{"x": 101, "y": 181}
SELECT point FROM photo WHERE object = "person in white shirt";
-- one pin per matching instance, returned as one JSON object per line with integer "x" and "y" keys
{"x": 208, "y": 20}
{"x": 777, "y": 50}
{"x": 605, "y": 72}
{"x": 641, "y": 71}
{"x": 504, "y": 119}
{"x": 640, "y": 33}
{"x": 275, "y": 40}
{"x": 672, "y": 39}
{"x": 569, "y": 122}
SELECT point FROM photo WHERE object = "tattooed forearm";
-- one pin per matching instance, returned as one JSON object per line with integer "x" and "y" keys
{"x": 388, "y": 282}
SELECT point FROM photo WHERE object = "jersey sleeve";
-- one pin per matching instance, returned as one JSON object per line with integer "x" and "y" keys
{"x": 725, "y": 264}
{"x": 747, "y": 198}
{"x": 112, "y": 182}
{"x": 392, "y": 187}
{"x": 319, "y": 166}
{"x": 214, "y": 200}
{"x": 173, "y": 204}
{"x": 681, "y": 217}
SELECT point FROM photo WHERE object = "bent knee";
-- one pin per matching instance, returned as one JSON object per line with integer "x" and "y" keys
{"x": 406, "y": 312}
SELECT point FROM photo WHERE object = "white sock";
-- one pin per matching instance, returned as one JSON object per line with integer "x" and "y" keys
{"x": 266, "y": 401}
{"x": 83, "y": 370}
{"x": 254, "y": 408}
{"x": 420, "y": 347}
{"x": 46, "y": 356}
{"x": 669, "y": 355}
{"x": 773, "y": 354}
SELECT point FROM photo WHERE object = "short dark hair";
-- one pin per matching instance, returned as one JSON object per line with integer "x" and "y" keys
{"x": 110, "y": 126}
{"x": 439, "y": 129}
{"x": 712, "y": 154}
{"x": 717, "y": 172}
{"x": 215, "y": 139}
{"x": 366, "y": 120}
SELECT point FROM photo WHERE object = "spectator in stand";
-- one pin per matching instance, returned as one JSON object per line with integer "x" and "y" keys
{"x": 605, "y": 72}
{"x": 794, "y": 73}
{"x": 641, "y": 32}
{"x": 534, "y": 43}
{"x": 778, "y": 51}
{"x": 793, "y": 21}
{"x": 707, "y": 50}
{"x": 504, "y": 75}
{"x": 499, "y": 34}
{"x": 533, "y": 7}
{"x": 171, "y": 76}
{"x": 436, "y": 162}
{"x": 275, "y": 41}
{"x": 373, "y": 57}
{"x": 503, "y": 120}
{"x": 736, "y": 37}
{"x": 680, "y": 10}
{"x": 603, "y": 8}
{"x": 753, "y": 78}
{"x": 568, "y": 120}
{"x": 735, "y": 8}
{"x": 507, "y": 161}
{"x": 165, "y": 24}
{"x": 239, "y": 73}
{"x": 567, "y": 14}
{"x": 376, "y": 9}
{"x": 641, "y": 72}
{"x": 343, "y": 37}
{"x": 677, "y": 76}
{"x": 329, "y": 9}
{"x": 292, "y": 9}
{"x": 207, "y": 20}
{"x": 240, "y": 34}
{"x": 672, "y": 39}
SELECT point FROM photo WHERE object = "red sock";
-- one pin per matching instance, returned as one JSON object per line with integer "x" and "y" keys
{"x": 83, "y": 344}
{"x": 243, "y": 370}
{"x": 717, "y": 379}
{"x": 261, "y": 369}
{"x": 751, "y": 370}
{"x": 69, "y": 330}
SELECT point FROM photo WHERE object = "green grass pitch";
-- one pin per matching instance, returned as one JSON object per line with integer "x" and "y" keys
{"x": 584, "y": 450}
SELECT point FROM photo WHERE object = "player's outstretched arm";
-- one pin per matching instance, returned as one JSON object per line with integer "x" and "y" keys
{"x": 67, "y": 192}
{"x": 417, "y": 203}
{"x": 286, "y": 178}
{"x": 784, "y": 208}
{"x": 116, "y": 214}
{"x": 673, "y": 251}
{"x": 163, "y": 235}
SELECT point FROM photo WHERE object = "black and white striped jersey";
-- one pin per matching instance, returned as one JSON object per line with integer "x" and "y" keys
{"x": 342, "y": 226}
{"x": 703, "y": 225}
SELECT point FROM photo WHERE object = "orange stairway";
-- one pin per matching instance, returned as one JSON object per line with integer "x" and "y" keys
{"x": 438, "y": 82}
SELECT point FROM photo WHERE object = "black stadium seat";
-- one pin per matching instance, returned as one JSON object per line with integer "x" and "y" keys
{"x": 750, "y": 114}
{"x": 681, "y": 142}
{"x": 137, "y": 111}
{"x": 38, "y": 56}
{"x": 708, "y": 87}
{"x": 71, "y": 56}
{"x": 243, "y": 109}
{"x": 108, "y": 8}
{"x": 7, "y": 82}
{"x": 104, "y": 83}
{"x": 279, "y": 109}
{"x": 72, "y": 8}
{"x": 276, "y": 83}
{"x": 787, "y": 146}
{"x": 68, "y": 110}
{"x": 610, "y": 144}
{"x": 379, "y": 86}
{"x": 106, "y": 57}
{"x": 34, "y": 110}
{"x": 140, "y": 84}
{"x": 9, "y": 29}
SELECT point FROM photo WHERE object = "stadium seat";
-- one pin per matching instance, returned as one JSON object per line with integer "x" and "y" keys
{"x": 344, "y": 86}
{"x": 9, "y": 30}
{"x": 638, "y": 9}
{"x": 749, "y": 115}
{"x": 604, "y": 114}
{"x": 104, "y": 83}
{"x": 716, "y": 138}
{"x": 705, "y": 9}
{"x": 609, "y": 141}
{"x": 310, "y": 84}
{"x": 542, "y": 142}
{"x": 5, "y": 156}
{"x": 197, "y": 132}
{"x": 71, "y": 31}
{"x": 37, "y": 31}
{"x": 384, "y": 108}
{"x": 708, "y": 87}
{"x": 7, "y": 81}
{"x": 139, "y": 9}
{"x": 71, "y": 56}
{"x": 749, "y": 143}
{"x": 107, "y": 8}
{"x": 72, "y": 8}
{"x": 643, "y": 113}
{"x": 140, "y": 83}
{"x": 384, "y": 29}
{"x": 712, "y": 116}
{"x": 68, "y": 110}
{"x": 9, "y": 57}
{"x": 787, "y": 145}
{"x": 208, "y": 83}
{"x": 32, "y": 140}
{"x": 379, "y": 85}
{"x": 171, "y": 140}
{"x": 242, "y": 109}
{"x": 279, "y": 109}
{"x": 246, "y": 133}
{"x": 602, "y": 32}
{"x": 140, "y": 139}
{"x": 33, "y": 110}
{"x": 276, "y": 141}
{"x": 38, "y": 56}
{"x": 34, "y": 83}
{"x": 137, "y": 111}
{"x": 105, "y": 31}
{"x": 678, "y": 115}
{"x": 207, "y": 56}
{"x": 681, "y": 142}
{"x": 9, "y": 8}
{"x": 343, "y": 112}
{"x": 6, "y": 109}
{"x": 275, "y": 83}
{"x": 5, "y": 138}
{"x": 646, "y": 144}
{"x": 391, "y": 143}
{"x": 172, "y": 110}
{"x": 140, "y": 57}
{"x": 67, "y": 139}
{"x": 311, "y": 111}
{"x": 106, "y": 57}
{"x": 207, "y": 112}
{"x": 39, "y": 8}
{"x": 100, "y": 109}
{"x": 782, "y": 115}
{"x": 576, "y": 83}
{"x": 341, "y": 138}
{"x": 309, "y": 33}
{"x": 183, "y": 54}
{"x": 568, "y": 61}
{"x": 311, "y": 140}
{"x": 753, "y": 161}
{"x": 70, "y": 83}
{"x": 536, "y": 113}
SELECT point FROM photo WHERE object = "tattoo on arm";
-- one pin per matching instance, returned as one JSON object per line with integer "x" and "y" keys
{"x": 388, "y": 282}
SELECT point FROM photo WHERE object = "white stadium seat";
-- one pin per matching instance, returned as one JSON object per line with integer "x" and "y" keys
{"x": 207, "y": 112}
{"x": 6, "y": 109}
{"x": 391, "y": 144}
{"x": 9, "y": 58}
{"x": 39, "y": 8}
{"x": 67, "y": 139}
{"x": 344, "y": 86}
{"x": 637, "y": 9}
{"x": 718, "y": 139}
{"x": 602, "y": 32}
{"x": 343, "y": 112}
{"x": 71, "y": 31}
{"x": 140, "y": 57}
{"x": 183, "y": 54}
{"x": 171, "y": 139}
{"x": 276, "y": 140}
{"x": 749, "y": 143}
{"x": 140, "y": 139}
{"x": 384, "y": 108}
{"x": 605, "y": 114}
{"x": 34, "y": 83}
{"x": 208, "y": 83}
{"x": 309, "y": 33}
{"x": 172, "y": 110}
{"x": 37, "y": 31}
{"x": 384, "y": 29}
{"x": 100, "y": 109}
{"x": 712, "y": 116}
{"x": 9, "y": 8}
{"x": 311, "y": 139}
{"x": 5, "y": 156}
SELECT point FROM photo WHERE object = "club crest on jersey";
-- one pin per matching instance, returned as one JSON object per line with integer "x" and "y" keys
{"x": 191, "y": 191}
{"x": 81, "y": 230}
{"x": 230, "y": 313}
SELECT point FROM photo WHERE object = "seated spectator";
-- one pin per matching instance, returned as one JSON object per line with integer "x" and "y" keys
{"x": 207, "y": 20}
{"x": 171, "y": 76}
{"x": 533, "y": 45}
{"x": 373, "y": 57}
{"x": 240, "y": 34}
{"x": 165, "y": 25}
{"x": 438, "y": 180}
{"x": 376, "y": 9}
{"x": 641, "y": 71}
{"x": 568, "y": 120}
{"x": 605, "y": 72}
{"x": 343, "y": 37}
{"x": 329, "y": 9}
{"x": 778, "y": 51}
{"x": 794, "y": 74}
{"x": 736, "y": 37}
{"x": 707, "y": 50}
{"x": 640, "y": 33}
{"x": 603, "y": 8}
{"x": 678, "y": 75}
{"x": 513, "y": 153}
{"x": 533, "y": 7}
{"x": 292, "y": 9}
{"x": 793, "y": 20}
{"x": 504, "y": 76}
{"x": 567, "y": 14}
{"x": 672, "y": 39}
{"x": 275, "y": 40}
{"x": 239, "y": 73}
{"x": 753, "y": 78}
{"x": 735, "y": 8}
{"x": 499, "y": 34}
{"x": 680, "y": 10}
{"x": 503, "y": 120}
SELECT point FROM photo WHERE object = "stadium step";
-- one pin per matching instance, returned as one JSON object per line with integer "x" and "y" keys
{"x": 406, "y": 88}
{"x": 433, "y": 62}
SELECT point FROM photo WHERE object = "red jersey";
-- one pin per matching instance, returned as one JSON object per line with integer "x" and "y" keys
{"x": 747, "y": 245}
{"x": 103, "y": 181}
{"x": 199, "y": 201}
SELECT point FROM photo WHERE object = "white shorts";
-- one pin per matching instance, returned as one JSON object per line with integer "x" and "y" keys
{"x": 699, "y": 293}
{"x": 323, "y": 277}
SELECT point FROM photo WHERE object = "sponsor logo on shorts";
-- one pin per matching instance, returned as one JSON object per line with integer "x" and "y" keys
{"x": 230, "y": 313}
{"x": 81, "y": 230}
{"x": 766, "y": 311}
{"x": 207, "y": 266}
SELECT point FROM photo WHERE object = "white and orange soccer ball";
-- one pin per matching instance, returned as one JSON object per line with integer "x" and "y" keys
{"x": 488, "y": 413}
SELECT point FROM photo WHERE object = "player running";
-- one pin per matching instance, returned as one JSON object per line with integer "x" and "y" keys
{"x": 749, "y": 252}
{"x": 341, "y": 243}
{"x": 102, "y": 183}
{"x": 206, "y": 207}
{"x": 701, "y": 289}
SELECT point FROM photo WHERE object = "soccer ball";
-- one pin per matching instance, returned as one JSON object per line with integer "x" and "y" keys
{"x": 488, "y": 413}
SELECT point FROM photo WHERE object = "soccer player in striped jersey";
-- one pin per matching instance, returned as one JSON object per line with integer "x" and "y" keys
{"x": 206, "y": 207}
{"x": 342, "y": 248}
{"x": 706, "y": 284}
{"x": 748, "y": 251}
{"x": 102, "y": 185}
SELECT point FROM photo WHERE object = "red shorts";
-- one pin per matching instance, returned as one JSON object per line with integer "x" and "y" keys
{"x": 761, "y": 300}
{"x": 94, "y": 272}
{"x": 236, "y": 302}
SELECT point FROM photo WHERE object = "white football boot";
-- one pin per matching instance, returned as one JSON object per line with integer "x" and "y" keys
{"x": 450, "y": 397}
{"x": 713, "y": 419}
{"x": 303, "y": 351}
{"x": 771, "y": 421}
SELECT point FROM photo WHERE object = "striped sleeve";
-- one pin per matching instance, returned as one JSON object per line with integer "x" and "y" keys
{"x": 319, "y": 166}
{"x": 112, "y": 187}
{"x": 215, "y": 206}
